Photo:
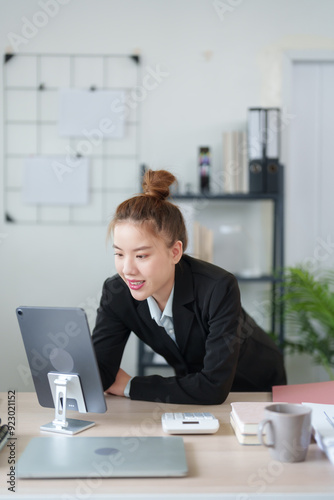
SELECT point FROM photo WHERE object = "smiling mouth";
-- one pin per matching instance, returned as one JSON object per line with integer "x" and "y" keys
{"x": 135, "y": 285}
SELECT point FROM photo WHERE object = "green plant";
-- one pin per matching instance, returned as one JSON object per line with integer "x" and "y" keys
{"x": 308, "y": 301}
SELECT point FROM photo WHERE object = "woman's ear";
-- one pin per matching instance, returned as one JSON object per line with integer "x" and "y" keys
{"x": 177, "y": 251}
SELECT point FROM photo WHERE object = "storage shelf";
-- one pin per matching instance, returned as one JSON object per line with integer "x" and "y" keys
{"x": 226, "y": 196}
{"x": 262, "y": 279}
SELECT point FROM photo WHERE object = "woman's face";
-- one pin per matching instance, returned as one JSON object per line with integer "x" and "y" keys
{"x": 145, "y": 262}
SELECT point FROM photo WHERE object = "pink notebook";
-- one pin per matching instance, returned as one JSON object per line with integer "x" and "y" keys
{"x": 317, "y": 392}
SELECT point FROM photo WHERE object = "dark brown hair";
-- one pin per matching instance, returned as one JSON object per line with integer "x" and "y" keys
{"x": 152, "y": 208}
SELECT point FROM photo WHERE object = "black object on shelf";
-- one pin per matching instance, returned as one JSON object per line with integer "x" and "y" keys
{"x": 264, "y": 141}
{"x": 272, "y": 150}
{"x": 272, "y": 176}
{"x": 257, "y": 176}
{"x": 204, "y": 165}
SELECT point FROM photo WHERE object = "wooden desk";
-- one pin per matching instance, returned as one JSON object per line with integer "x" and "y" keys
{"x": 219, "y": 467}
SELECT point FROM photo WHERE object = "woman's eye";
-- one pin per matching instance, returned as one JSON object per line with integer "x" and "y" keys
{"x": 141, "y": 256}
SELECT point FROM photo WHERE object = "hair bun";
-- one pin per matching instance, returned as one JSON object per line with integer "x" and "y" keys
{"x": 156, "y": 183}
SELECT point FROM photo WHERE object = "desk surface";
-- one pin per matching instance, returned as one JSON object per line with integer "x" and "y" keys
{"x": 219, "y": 466}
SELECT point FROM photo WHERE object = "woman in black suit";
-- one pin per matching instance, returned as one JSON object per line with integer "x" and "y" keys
{"x": 185, "y": 309}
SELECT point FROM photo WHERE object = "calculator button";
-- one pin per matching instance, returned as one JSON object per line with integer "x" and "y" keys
{"x": 169, "y": 416}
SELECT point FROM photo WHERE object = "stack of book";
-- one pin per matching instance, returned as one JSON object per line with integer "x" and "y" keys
{"x": 314, "y": 392}
{"x": 245, "y": 418}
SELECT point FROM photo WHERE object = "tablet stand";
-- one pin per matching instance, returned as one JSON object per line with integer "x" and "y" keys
{"x": 66, "y": 386}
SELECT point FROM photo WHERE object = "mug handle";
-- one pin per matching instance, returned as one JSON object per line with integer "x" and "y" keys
{"x": 260, "y": 431}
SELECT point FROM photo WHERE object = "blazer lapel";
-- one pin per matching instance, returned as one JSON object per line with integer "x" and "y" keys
{"x": 157, "y": 337}
{"x": 183, "y": 316}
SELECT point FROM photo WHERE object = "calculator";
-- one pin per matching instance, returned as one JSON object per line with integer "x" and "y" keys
{"x": 189, "y": 423}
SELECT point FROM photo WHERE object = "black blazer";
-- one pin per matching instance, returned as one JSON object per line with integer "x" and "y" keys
{"x": 219, "y": 347}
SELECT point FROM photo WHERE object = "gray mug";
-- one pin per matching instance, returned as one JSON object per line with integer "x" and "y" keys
{"x": 288, "y": 431}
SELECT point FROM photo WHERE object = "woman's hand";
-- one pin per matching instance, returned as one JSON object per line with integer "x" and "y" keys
{"x": 117, "y": 388}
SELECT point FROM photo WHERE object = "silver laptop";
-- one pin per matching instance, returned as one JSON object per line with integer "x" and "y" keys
{"x": 74, "y": 457}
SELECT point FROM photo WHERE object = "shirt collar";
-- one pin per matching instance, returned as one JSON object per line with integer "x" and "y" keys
{"x": 155, "y": 312}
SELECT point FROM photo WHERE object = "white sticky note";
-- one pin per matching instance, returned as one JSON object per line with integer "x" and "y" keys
{"x": 56, "y": 180}
{"x": 87, "y": 113}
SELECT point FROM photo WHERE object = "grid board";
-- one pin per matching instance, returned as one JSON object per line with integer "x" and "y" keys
{"x": 31, "y": 85}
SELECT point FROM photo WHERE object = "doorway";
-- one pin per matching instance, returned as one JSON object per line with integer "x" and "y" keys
{"x": 308, "y": 156}
{"x": 310, "y": 164}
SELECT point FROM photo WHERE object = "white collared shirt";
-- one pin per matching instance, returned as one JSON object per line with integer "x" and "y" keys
{"x": 164, "y": 318}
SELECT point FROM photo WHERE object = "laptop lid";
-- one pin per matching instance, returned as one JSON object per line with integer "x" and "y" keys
{"x": 77, "y": 457}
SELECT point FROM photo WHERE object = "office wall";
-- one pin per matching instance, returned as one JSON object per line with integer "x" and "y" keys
{"x": 212, "y": 60}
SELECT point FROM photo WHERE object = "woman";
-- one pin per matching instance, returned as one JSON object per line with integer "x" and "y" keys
{"x": 185, "y": 309}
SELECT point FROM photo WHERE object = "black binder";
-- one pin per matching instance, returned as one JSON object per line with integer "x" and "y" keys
{"x": 263, "y": 149}
{"x": 272, "y": 149}
{"x": 256, "y": 150}
{"x": 257, "y": 176}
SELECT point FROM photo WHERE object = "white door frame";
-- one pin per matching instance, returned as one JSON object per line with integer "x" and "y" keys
{"x": 298, "y": 366}
{"x": 289, "y": 57}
